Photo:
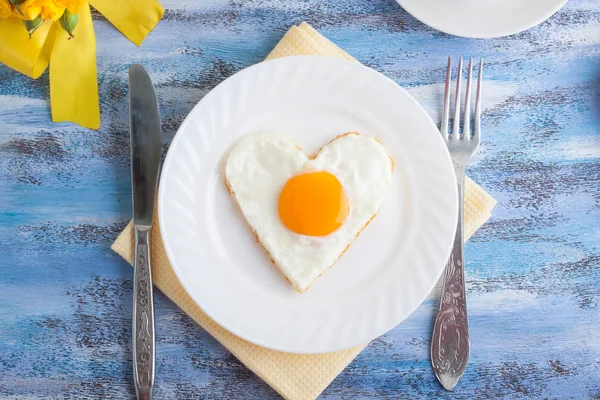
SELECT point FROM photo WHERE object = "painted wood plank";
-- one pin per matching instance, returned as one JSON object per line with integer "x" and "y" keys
{"x": 533, "y": 271}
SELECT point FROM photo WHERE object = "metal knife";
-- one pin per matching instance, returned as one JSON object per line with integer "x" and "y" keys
{"x": 146, "y": 145}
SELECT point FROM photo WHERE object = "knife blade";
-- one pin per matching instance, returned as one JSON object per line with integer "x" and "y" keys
{"x": 146, "y": 142}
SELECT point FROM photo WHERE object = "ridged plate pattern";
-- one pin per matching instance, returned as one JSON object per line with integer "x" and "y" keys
{"x": 386, "y": 273}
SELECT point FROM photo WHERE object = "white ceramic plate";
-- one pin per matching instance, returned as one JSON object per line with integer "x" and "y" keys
{"x": 481, "y": 18}
{"x": 384, "y": 275}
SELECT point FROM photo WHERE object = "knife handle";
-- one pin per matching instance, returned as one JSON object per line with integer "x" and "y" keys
{"x": 143, "y": 317}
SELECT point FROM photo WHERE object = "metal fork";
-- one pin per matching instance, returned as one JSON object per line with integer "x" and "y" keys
{"x": 450, "y": 341}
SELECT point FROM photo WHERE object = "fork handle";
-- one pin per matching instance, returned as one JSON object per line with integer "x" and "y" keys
{"x": 450, "y": 340}
{"x": 143, "y": 317}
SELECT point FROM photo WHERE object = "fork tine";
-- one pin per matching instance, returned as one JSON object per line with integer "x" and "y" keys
{"x": 467, "y": 113}
{"x": 456, "y": 126}
{"x": 446, "y": 114}
{"x": 477, "y": 127}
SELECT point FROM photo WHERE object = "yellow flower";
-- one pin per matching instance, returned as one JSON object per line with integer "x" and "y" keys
{"x": 46, "y": 9}
{"x": 71, "y": 5}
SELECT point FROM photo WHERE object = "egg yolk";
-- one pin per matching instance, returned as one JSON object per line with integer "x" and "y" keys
{"x": 313, "y": 204}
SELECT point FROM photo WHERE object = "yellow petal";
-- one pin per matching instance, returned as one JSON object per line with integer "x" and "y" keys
{"x": 29, "y": 57}
{"x": 6, "y": 9}
{"x": 51, "y": 11}
{"x": 30, "y": 9}
{"x": 73, "y": 80}
{"x": 71, "y": 5}
{"x": 134, "y": 18}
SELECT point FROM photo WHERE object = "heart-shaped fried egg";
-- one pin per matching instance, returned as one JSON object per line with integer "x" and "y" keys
{"x": 306, "y": 211}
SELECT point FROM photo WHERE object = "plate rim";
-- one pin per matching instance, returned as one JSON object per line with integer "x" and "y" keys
{"x": 169, "y": 250}
{"x": 488, "y": 35}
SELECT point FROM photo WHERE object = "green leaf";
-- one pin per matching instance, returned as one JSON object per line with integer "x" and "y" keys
{"x": 33, "y": 25}
{"x": 68, "y": 21}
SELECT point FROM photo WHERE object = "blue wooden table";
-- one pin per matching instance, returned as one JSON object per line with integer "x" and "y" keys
{"x": 533, "y": 271}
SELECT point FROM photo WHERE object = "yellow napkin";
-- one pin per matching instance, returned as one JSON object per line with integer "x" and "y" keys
{"x": 294, "y": 376}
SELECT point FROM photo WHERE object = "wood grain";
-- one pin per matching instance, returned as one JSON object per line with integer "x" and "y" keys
{"x": 533, "y": 272}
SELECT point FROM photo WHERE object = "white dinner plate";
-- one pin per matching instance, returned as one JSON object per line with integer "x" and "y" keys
{"x": 388, "y": 270}
{"x": 481, "y": 18}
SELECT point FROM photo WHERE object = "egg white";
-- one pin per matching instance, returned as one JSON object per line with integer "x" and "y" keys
{"x": 259, "y": 166}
